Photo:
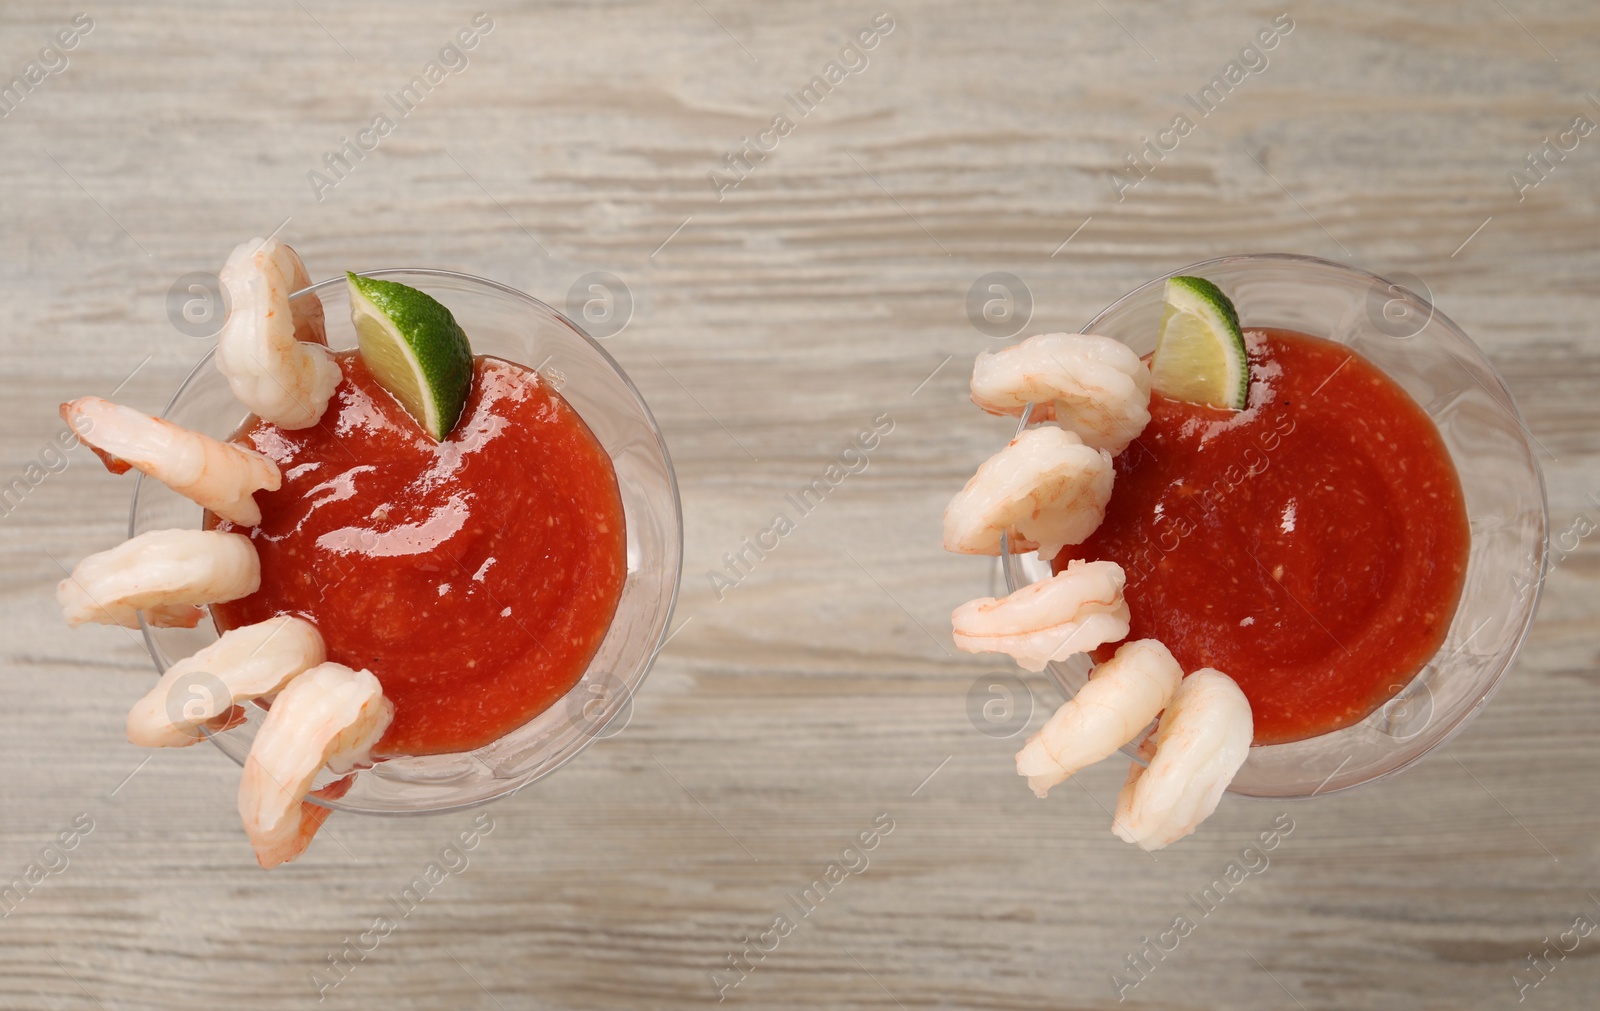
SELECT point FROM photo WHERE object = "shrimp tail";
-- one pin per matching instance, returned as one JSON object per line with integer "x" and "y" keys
{"x": 310, "y": 324}
{"x": 115, "y": 464}
{"x": 312, "y": 817}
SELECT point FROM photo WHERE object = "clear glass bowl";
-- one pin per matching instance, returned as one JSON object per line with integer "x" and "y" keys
{"x": 1429, "y": 356}
{"x": 508, "y": 324}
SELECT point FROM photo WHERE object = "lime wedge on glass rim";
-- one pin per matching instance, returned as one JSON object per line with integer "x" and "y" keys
{"x": 414, "y": 348}
{"x": 1200, "y": 356}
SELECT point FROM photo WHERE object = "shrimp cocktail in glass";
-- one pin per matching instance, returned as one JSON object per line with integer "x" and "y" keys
{"x": 1274, "y": 526}
{"x": 411, "y": 564}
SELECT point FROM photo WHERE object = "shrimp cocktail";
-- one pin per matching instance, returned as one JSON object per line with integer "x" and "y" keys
{"x": 406, "y": 550}
{"x": 1256, "y": 535}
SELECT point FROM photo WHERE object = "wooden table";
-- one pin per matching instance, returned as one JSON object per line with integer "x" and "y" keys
{"x": 777, "y": 309}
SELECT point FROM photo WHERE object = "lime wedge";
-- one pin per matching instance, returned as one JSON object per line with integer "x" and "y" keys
{"x": 1200, "y": 356}
{"x": 415, "y": 349}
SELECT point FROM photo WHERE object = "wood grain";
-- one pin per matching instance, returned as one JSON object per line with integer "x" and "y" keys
{"x": 769, "y": 326}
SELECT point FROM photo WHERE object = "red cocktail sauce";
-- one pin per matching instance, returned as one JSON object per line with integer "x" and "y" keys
{"x": 1312, "y": 547}
{"x": 475, "y": 577}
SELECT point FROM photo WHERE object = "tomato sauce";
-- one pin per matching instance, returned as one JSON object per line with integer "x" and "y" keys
{"x": 475, "y": 577}
{"x": 1313, "y": 547}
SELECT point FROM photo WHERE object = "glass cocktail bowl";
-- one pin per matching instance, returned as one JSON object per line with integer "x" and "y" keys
{"x": 503, "y": 322}
{"x": 1438, "y": 365}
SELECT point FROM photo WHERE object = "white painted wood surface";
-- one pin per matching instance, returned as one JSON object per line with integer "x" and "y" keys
{"x": 768, "y": 327}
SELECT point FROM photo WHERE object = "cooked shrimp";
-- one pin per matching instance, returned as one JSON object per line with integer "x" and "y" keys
{"x": 219, "y": 476}
{"x": 270, "y": 350}
{"x": 246, "y": 663}
{"x": 1203, "y": 740}
{"x": 1123, "y": 695}
{"x": 165, "y": 574}
{"x": 1046, "y": 489}
{"x": 1075, "y": 610}
{"x": 330, "y": 716}
{"x": 1094, "y": 386}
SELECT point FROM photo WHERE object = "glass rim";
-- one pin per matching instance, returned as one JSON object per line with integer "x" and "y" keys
{"x": 1014, "y": 579}
{"x": 591, "y": 732}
